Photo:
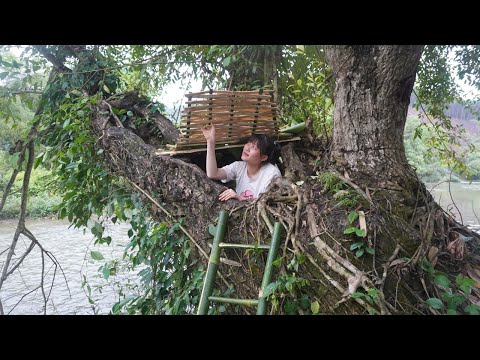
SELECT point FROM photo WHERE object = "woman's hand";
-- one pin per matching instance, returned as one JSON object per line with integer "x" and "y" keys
{"x": 228, "y": 194}
{"x": 209, "y": 133}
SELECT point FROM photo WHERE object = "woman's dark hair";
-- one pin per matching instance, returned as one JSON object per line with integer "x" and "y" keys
{"x": 267, "y": 147}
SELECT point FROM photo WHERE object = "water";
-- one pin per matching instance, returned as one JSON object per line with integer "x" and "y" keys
{"x": 71, "y": 247}
{"x": 466, "y": 197}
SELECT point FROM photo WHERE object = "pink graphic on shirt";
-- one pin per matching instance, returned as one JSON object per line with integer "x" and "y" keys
{"x": 247, "y": 194}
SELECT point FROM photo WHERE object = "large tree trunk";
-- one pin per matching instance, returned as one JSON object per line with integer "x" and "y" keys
{"x": 372, "y": 92}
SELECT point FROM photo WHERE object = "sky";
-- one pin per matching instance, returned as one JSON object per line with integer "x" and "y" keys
{"x": 173, "y": 96}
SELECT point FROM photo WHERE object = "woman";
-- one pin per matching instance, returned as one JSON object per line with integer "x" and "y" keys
{"x": 253, "y": 174}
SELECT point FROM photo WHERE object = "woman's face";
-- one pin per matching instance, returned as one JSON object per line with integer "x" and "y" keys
{"x": 251, "y": 154}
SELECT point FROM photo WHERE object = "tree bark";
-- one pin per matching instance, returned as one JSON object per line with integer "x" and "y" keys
{"x": 372, "y": 93}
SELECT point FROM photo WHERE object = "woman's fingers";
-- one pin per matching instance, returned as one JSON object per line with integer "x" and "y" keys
{"x": 224, "y": 195}
{"x": 227, "y": 194}
{"x": 208, "y": 131}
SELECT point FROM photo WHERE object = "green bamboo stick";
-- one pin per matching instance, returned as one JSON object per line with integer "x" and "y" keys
{"x": 246, "y": 302}
{"x": 294, "y": 129}
{"x": 212, "y": 264}
{"x": 267, "y": 276}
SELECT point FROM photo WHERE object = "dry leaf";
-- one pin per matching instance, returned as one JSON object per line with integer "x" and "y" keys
{"x": 457, "y": 248}
{"x": 433, "y": 255}
{"x": 362, "y": 222}
{"x": 474, "y": 273}
{"x": 230, "y": 262}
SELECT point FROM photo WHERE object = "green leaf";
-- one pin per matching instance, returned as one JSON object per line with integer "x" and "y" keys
{"x": 97, "y": 230}
{"x": 90, "y": 222}
{"x": 96, "y": 255}
{"x": 304, "y": 302}
{"x": 359, "y": 252}
{"x": 370, "y": 250}
{"x": 358, "y": 294}
{"x": 426, "y": 265}
{"x": 277, "y": 262}
{"x": 212, "y": 229}
{"x": 105, "y": 87}
{"x": 36, "y": 163}
{"x": 360, "y": 232}
{"x": 352, "y": 217}
{"x": 106, "y": 240}
{"x": 435, "y": 303}
{"x": 472, "y": 309}
{"x": 315, "y": 307}
{"x": 291, "y": 307}
{"x": 465, "y": 281}
{"x": 350, "y": 230}
{"x": 129, "y": 113}
{"x": 451, "y": 312}
{"x": 227, "y": 61}
{"x": 356, "y": 245}
{"x": 442, "y": 281}
{"x": 122, "y": 303}
{"x": 300, "y": 259}
{"x": 270, "y": 289}
{"x": 128, "y": 213}
{"x": 106, "y": 272}
{"x": 71, "y": 165}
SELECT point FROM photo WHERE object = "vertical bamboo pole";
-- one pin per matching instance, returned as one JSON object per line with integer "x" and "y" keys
{"x": 274, "y": 114}
{"x": 212, "y": 264}
{"x": 230, "y": 123}
{"x": 256, "y": 112}
{"x": 210, "y": 108}
{"x": 267, "y": 276}
{"x": 189, "y": 115}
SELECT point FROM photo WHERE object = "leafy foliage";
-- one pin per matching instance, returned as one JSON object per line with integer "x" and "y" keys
{"x": 453, "y": 295}
{"x": 429, "y": 165}
{"x": 435, "y": 90}
{"x": 171, "y": 281}
{"x": 307, "y": 88}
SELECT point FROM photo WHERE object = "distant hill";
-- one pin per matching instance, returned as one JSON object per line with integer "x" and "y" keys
{"x": 455, "y": 110}
{"x": 472, "y": 126}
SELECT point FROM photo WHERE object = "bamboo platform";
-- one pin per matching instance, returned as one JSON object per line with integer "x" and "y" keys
{"x": 175, "y": 151}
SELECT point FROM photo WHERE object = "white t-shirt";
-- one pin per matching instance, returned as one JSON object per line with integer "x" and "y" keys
{"x": 247, "y": 187}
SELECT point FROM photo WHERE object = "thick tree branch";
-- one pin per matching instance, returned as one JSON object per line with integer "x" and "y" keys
{"x": 50, "y": 57}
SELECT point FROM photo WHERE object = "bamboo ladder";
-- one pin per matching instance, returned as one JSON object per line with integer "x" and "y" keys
{"x": 213, "y": 263}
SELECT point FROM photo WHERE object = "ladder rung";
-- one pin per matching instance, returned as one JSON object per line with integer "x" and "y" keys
{"x": 247, "y": 302}
{"x": 243, "y": 246}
